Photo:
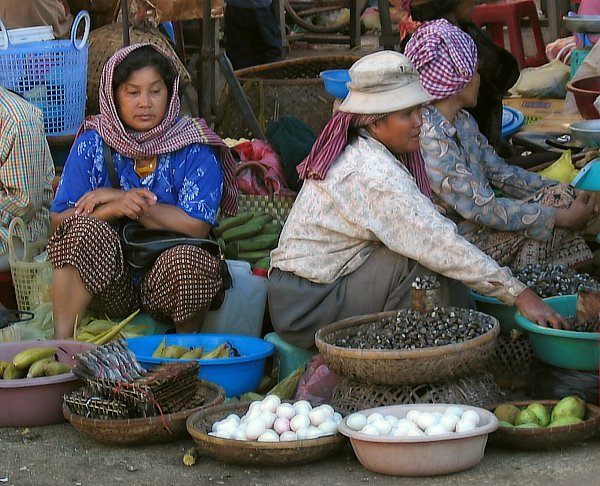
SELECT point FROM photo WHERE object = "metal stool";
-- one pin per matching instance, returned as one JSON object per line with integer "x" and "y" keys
{"x": 510, "y": 13}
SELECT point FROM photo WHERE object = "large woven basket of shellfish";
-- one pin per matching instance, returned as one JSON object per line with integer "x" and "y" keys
{"x": 405, "y": 347}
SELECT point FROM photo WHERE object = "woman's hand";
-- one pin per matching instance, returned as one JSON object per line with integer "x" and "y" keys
{"x": 579, "y": 213}
{"x": 91, "y": 200}
{"x": 133, "y": 204}
{"x": 537, "y": 311}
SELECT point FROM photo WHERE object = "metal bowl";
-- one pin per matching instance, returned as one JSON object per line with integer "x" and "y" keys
{"x": 583, "y": 23}
{"x": 586, "y": 131}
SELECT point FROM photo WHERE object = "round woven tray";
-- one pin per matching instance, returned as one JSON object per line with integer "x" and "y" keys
{"x": 403, "y": 367}
{"x": 479, "y": 390}
{"x": 548, "y": 437}
{"x": 253, "y": 452}
{"x": 147, "y": 430}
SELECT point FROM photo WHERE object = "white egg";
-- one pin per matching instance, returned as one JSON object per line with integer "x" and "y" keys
{"x": 392, "y": 420}
{"x": 437, "y": 414}
{"x": 251, "y": 415}
{"x": 465, "y": 426}
{"x": 281, "y": 425}
{"x": 268, "y": 406}
{"x": 471, "y": 415}
{"x": 426, "y": 419}
{"x": 216, "y": 425}
{"x": 337, "y": 417}
{"x": 374, "y": 416}
{"x": 227, "y": 426}
{"x": 356, "y": 421}
{"x": 299, "y": 422}
{"x": 268, "y": 436}
{"x": 220, "y": 434}
{"x": 302, "y": 403}
{"x": 412, "y": 415}
{"x": 285, "y": 410}
{"x": 449, "y": 421}
{"x": 400, "y": 431}
{"x": 254, "y": 404}
{"x": 415, "y": 433}
{"x": 240, "y": 435}
{"x": 302, "y": 410}
{"x": 383, "y": 426}
{"x": 272, "y": 398}
{"x": 328, "y": 409}
{"x": 255, "y": 428}
{"x": 313, "y": 432}
{"x": 233, "y": 416}
{"x": 302, "y": 434}
{"x": 369, "y": 430}
{"x": 436, "y": 429}
{"x": 328, "y": 427}
{"x": 288, "y": 436}
{"x": 242, "y": 426}
{"x": 317, "y": 416}
{"x": 268, "y": 418}
{"x": 453, "y": 409}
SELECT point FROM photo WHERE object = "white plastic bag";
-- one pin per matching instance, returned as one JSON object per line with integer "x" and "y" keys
{"x": 547, "y": 81}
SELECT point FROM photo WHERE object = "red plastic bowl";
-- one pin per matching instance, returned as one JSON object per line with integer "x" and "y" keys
{"x": 30, "y": 402}
{"x": 586, "y": 90}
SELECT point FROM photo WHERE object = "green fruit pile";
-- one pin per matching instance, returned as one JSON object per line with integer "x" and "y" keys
{"x": 250, "y": 237}
{"x": 568, "y": 411}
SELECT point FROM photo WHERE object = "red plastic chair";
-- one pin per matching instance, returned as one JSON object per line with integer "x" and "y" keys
{"x": 495, "y": 15}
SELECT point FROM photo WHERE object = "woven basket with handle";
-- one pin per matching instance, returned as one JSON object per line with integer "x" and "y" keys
{"x": 403, "y": 367}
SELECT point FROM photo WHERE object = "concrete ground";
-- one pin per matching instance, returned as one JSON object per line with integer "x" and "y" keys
{"x": 59, "y": 456}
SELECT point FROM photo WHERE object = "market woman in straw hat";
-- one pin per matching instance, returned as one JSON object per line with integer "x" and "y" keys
{"x": 363, "y": 225}
{"x": 172, "y": 173}
{"x": 533, "y": 220}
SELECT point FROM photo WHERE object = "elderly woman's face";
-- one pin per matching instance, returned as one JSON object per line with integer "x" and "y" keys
{"x": 142, "y": 100}
{"x": 400, "y": 130}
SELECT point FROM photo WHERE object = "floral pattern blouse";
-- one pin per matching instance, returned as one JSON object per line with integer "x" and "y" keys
{"x": 367, "y": 199}
{"x": 190, "y": 178}
{"x": 463, "y": 170}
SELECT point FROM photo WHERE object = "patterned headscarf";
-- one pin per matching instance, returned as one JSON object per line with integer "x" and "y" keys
{"x": 171, "y": 134}
{"x": 444, "y": 55}
{"x": 334, "y": 138}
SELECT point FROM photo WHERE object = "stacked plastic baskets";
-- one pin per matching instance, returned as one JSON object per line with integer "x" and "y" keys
{"x": 50, "y": 74}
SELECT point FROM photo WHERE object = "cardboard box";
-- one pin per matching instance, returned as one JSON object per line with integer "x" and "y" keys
{"x": 534, "y": 109}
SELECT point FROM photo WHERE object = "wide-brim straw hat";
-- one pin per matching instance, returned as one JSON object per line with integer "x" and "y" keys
{"x": 383, "y": 82}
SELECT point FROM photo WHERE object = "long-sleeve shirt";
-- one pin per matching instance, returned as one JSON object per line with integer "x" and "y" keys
{"x": 367, "y": 199}
{"x": 26, "y": 169}
{"x": 463, "y": 169}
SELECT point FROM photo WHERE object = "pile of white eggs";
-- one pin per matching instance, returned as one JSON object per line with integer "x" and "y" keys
{"x": 417, "y": 423}
{"x": 269, "y": 420}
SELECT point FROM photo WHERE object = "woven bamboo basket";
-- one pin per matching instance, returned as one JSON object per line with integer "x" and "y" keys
{"x": 147, "y": 430}
{"x": 479, "y": 390}
{"x": 107, "y": 40}
{"x": 290, "y": 87}
{"x": 277, "y": 206}
{"x": 253, "y": 452}
{"x": 404, "y": 367}
{"x": 546, "y": 438}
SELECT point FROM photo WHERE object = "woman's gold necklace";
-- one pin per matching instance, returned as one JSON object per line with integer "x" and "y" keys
{"x": 146, "y": 166}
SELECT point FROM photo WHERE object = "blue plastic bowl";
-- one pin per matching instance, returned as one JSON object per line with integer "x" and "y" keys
{"x": 236, "y": 375}
{"x": 496, "y": 308}
{"x": 335, "y": 82}
{"x": 588, "y": 178}
{"x": 564, "y": 349}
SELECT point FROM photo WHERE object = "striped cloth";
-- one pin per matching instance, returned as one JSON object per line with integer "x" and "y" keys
{"x": 171, "y": 134}
{"x": 26, "y": 169}
{"x": 444, "y": 55}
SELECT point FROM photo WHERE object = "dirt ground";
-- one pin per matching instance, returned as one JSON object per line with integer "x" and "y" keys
{"x": 59, "y": 456}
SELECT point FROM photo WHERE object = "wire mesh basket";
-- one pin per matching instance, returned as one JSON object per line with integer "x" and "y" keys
{"x": 32, "y": 279}
{"x": 51, "y": 75}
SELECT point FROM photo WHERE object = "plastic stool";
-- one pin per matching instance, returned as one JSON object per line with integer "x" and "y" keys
{"x": 290, "y": 357}
{"x": 510, "y": 13}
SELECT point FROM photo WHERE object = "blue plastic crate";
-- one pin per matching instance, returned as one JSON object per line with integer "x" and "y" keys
{"x": 51, "y": 75}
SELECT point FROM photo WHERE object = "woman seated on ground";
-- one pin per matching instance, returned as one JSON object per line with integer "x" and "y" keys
{"x": 173, "y": 174}
{"x": 534, "y": 219}
{"x": 363, "y": 226}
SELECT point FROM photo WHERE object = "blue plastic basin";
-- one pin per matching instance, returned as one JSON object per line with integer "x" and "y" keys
{"x": 496, "y": 308}
{"x": 236, "y": 375}
{"x": 588, "y": 178}
{"x": 335, "y": 82}
{"x": 564, "y": 349}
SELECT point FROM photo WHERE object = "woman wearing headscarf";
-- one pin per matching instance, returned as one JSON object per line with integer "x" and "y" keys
{"x": 534, "y": 218}
{"x": 363, "y": 226}
{"x": 498, "y": 69}
{"x": 173, "y": 173}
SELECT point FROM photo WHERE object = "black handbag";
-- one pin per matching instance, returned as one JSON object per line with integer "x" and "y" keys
{"x": 142, "y": 246}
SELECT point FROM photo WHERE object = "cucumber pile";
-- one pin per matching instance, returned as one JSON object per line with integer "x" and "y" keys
{"x": 250, "y": 237}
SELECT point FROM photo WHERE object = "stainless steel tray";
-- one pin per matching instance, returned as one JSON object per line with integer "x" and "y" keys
{"x": 588, "y": 24}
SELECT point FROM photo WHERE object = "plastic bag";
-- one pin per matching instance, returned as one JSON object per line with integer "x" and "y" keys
{"x": 561, "y": 170}
{"x": 547, "y": 81}
{"x": 318, "y": 382}
{"x": 260, "y": 171}
{"x": 556, "y": 383}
